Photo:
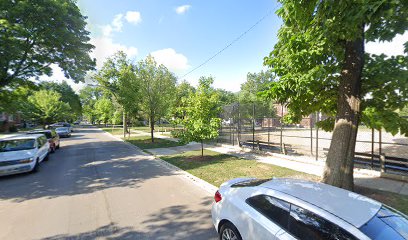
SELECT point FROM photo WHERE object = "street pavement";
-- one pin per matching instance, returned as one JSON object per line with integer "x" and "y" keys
{"x": 97, "y": 187}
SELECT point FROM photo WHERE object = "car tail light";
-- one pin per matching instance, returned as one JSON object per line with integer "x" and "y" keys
{"x": 217, "y": 196}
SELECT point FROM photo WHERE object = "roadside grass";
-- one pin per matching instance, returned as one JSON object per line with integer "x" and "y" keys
{"x": 217, "y": 168}
{"x": 144, "y": 142}
{"x": 397, "y": 201}
{"x": 113, "y": 131}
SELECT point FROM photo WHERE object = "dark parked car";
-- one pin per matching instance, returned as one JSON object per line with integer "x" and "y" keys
{"x": 62, "y": 124}
{"x": 52, "y": 136}
{"x": 63, "y": 131}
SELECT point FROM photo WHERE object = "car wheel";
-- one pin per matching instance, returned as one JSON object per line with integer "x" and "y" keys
{"x": 36, "y": 167}
{"x": 229, "y": 232}
{"x": 47, "y": 157}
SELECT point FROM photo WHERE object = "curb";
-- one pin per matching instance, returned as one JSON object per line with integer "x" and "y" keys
{"x": 197, "y": 181}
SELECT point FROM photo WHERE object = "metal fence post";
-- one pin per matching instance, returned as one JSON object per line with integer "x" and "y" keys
{"x": 253, "y": 125}
{"x": 317, "y": 136}
{"x": 382, "y": 162}
{"x": 311, "y": 135}
{"x": 281, "y": 130}
{"x": 372, "y": 147}
{"x": 269, "y": 129}
{"x": 380, "y": 142}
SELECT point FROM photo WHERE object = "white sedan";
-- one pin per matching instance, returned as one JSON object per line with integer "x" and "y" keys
{"x": 297, "y": 209}
{"x": 22, "y": 153}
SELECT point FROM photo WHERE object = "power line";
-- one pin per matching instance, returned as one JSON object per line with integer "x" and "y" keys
{"x": 230, "y": 44}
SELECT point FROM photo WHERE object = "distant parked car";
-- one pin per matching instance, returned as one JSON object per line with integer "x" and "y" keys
{"x": 62, "y": 124}
{"x": 22, "y": 153}
{"x": 299, "y": 209}
{"x": 63, "y": 131}
{"x": 52, "y": 136}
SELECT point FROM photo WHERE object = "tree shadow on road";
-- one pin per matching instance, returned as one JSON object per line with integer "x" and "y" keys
{"x": 83, "y": 168}
{"x": 174, "y": 222}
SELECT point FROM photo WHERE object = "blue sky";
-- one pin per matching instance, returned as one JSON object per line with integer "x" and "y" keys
{"x": 183, "y": 34}
{"x": 182, "y": 39}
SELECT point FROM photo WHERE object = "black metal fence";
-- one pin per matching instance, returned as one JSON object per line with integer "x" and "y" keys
{"x": 261, "y": 127}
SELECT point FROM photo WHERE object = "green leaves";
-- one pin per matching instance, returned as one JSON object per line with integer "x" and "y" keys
{"x": 201, "y": 113}
{"x": 309, "y": 55}
{"x": 46, "y": 106}
{"x": 36, "y": 34}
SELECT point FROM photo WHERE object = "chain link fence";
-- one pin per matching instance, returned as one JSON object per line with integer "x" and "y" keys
{"x": 260, "y": 127}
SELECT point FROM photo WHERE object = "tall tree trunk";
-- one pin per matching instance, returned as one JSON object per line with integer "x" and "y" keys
{"x": 152, "y": 127}
{"x": 124, "y": 124}
{"x": 202, "y": 149}
{"x": 339, "y": 164}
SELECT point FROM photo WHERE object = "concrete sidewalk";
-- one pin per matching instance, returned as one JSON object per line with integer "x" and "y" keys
{"x": 362, "y": 177}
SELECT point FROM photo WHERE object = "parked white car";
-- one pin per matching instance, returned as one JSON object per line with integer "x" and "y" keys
{"x": 299, "y": 209}
{"x": 22, "y": 153}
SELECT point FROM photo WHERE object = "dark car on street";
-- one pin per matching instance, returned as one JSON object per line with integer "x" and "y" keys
{"x": 63, "y": 131}
{"x": 52, "y": 136}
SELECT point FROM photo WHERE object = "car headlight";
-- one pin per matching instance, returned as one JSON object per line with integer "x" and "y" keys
{"x": 26, "y": 160}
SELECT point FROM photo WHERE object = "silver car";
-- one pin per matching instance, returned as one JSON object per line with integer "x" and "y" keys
{"x": 299, "y": 209}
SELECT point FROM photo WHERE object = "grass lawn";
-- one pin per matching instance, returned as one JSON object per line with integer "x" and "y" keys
{"x": 217, "y": 168}
{"x": 397, "y": 201}
{"x": 114, "y": 131}
{"x": 144, "y": 142}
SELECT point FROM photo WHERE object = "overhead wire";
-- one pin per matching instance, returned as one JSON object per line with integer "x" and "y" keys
{"x": 231, "y": 43}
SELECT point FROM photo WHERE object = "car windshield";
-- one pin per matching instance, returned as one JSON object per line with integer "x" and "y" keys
{"x": 16, "y": 145}
{"x": 386, "y": 224}
{"x": 61, "y": 129}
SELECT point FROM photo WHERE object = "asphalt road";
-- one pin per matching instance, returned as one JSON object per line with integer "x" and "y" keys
{"x": 96, "y": 187}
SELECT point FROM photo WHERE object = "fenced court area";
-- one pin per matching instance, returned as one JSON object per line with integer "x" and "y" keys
{"x": 244, "y": 125}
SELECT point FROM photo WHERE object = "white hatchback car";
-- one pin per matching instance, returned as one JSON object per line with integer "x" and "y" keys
{"x": 22, "y": 153}
{"x": 298, "y": 209}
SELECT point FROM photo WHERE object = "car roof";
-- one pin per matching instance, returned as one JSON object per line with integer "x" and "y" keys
{"x": 349, "y": 206}
{"x": 28, "y": 136}
{"x": 39, "y": 131}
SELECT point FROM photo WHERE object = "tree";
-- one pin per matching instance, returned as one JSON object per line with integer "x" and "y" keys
{"x": 118, "y": 78}
{"x": 36, "y": 34}
{"x": 183, "y": 90}
{"x": 322, "y": 67}
{"x": 88, "y": 97}
{"x": 249, "y": 99}
{"x": 201, "y": 121}
{"x": 46, "y": 106}
{"x": 68, "y": 95}
{"x": 104, "y": 110}
{"x": 157, "y": 87}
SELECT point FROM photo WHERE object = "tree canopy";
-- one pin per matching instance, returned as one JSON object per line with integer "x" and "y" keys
{"x": 322, "y": 67}
{"x": 157, "y": 88}
{"x": 36, "y": 34}
{"x": 202, "y": 110}
{"x": 46, "y": 107}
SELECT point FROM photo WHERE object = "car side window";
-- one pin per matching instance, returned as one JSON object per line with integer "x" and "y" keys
{"x": 304, "y": 224}
{"x": 274, "y": 209}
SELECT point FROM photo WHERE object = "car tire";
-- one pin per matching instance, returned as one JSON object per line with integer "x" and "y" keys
{"x": 36, "y": 167}
{"x": 47, "y": 157}
{"x": 229, "y": 232}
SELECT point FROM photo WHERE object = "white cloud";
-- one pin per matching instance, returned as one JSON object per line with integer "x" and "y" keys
{"x": 171, "y": 59}
{"x": 395, "y": 47}
{"x": 182, "y": 9}
{"x": 117, "y": 23}
{"x": 115, "y": 26}
{"x": 133, "y": 17}
{"x": 105, "y": 47}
